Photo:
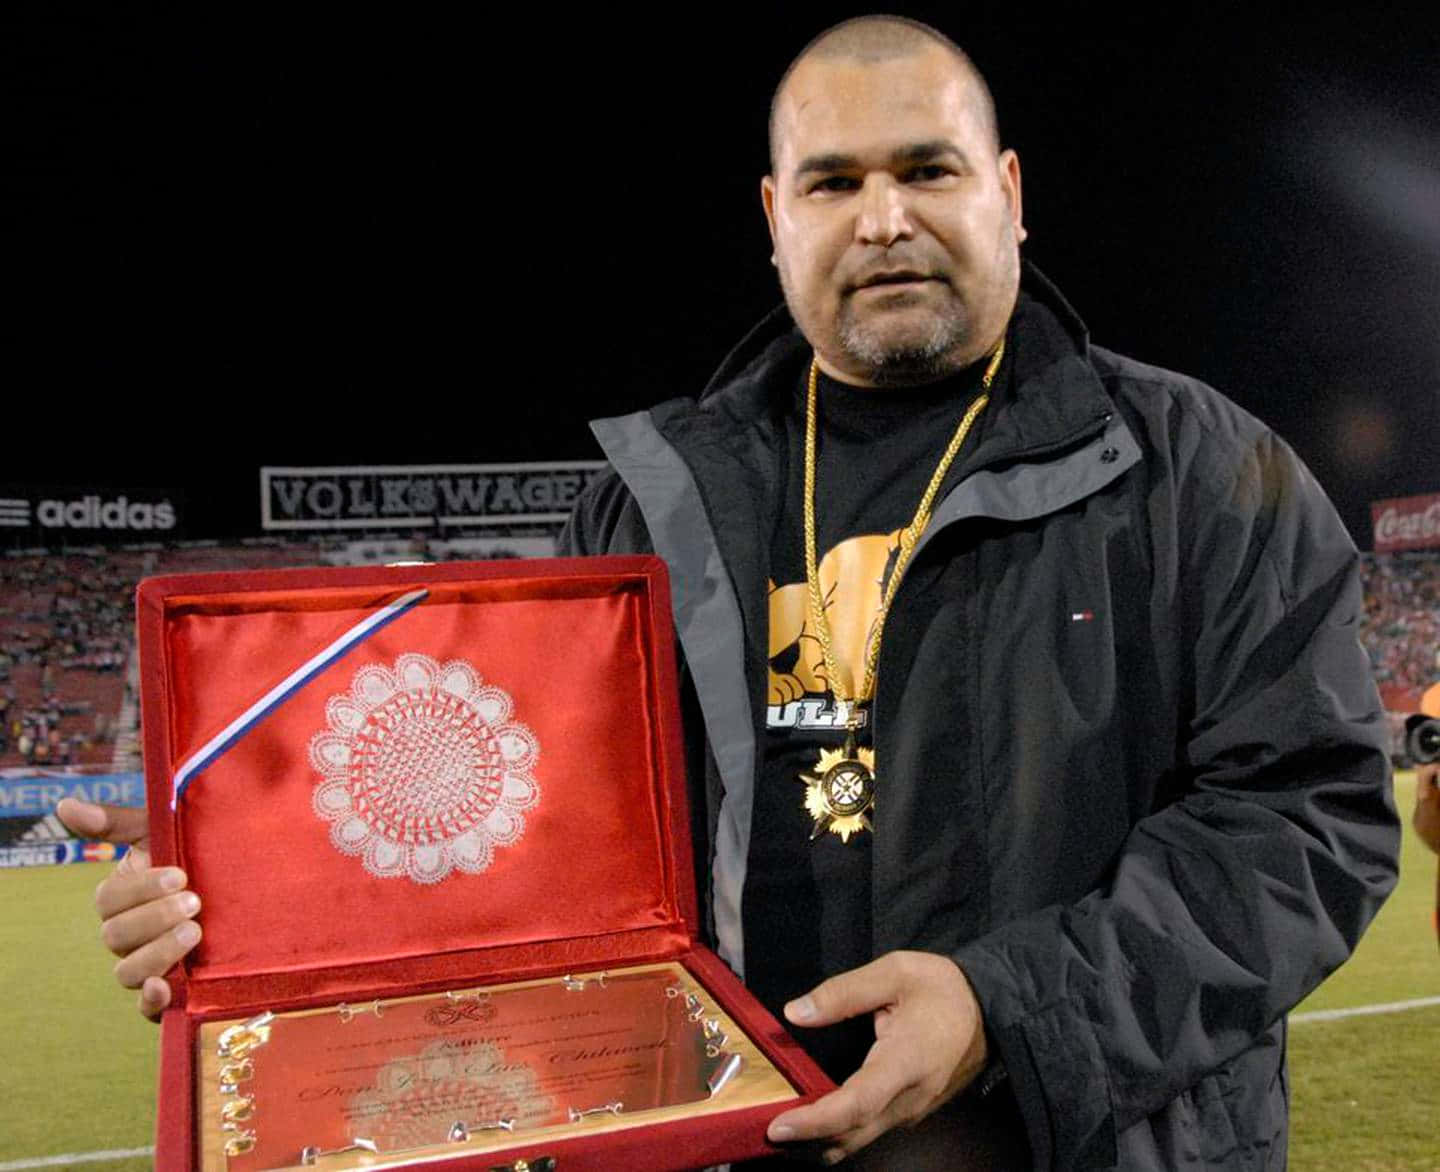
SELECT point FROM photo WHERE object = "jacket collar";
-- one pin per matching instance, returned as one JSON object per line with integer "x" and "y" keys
{"x": 1049, "y": 398}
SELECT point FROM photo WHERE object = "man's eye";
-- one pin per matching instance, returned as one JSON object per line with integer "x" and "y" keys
{"x": 836, "y": 183}
{"x": 926, "y": 173}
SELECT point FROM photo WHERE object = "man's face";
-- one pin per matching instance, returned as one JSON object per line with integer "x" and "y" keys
{"x": 896, "y": 228}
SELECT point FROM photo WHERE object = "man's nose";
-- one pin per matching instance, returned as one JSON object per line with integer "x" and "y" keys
{"x": 884, "y": 216}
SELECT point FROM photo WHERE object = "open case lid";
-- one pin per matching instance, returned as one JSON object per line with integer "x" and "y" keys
{"x": 416, "y": 776}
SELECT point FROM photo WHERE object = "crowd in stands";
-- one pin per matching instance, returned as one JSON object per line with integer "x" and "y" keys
{"x": 67, "y": 641}
{"x": 67, "y": 637}
{"x": 65, "y": 622}
{"x": 1401, "y": 625}
{"x": 67, "y": 691}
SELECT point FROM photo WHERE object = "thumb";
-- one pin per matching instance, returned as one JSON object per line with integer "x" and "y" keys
{"x": 870, "y": 987}
{"x": 124, "y": 824}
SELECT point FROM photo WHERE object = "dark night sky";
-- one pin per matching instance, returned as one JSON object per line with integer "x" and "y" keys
{"x": 383, "y": 236}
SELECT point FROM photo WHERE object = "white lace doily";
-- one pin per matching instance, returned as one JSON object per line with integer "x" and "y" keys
{"x": 422, "y": 769}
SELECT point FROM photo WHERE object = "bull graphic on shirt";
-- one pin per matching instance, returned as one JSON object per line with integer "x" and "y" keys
{"x": 852, "y": 583}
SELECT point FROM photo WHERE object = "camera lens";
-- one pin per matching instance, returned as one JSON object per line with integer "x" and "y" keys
{"x": 1422, "y": 739}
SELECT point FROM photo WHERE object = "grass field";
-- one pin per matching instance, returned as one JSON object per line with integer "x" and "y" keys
{"x": 78, "y": 1068}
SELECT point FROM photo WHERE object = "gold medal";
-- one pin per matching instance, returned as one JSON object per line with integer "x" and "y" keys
{"x": 840, "y": 789}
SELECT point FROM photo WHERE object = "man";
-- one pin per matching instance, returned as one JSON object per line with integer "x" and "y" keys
{"x": 1427, "y": 820}
{"x": 1034, "y": 752}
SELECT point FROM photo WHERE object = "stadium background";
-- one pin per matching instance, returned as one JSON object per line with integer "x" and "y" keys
{"x": 267, "y": 271}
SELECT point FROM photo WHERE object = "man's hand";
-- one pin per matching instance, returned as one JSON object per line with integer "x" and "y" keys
{"x": 146, "y": 914}
{"x": 1427, "y": 805}
{"x": 929, "y": 1045}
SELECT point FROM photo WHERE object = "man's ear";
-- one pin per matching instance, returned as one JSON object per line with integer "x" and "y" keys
{"x": 1009, "y": 165}
{"x": 767, "y": 201}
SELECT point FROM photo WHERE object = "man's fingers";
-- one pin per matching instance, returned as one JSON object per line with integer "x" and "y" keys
{"x": 136, "y": 860}
{"x": 82, "y": 817}
{"x": 910, "y": 1105}
{"x": 859, "y": 1104}
{"x": 128, "y": 930}
{"x": 126, "y": 889}
{"x": 107, "y": 823}
{"x": 158, "y": 957}
{"x": 929, "y": 1044}
{"x": 872, "y": 986}
{"x": 154, "y": 997}
{"x": 850, "y": 1143}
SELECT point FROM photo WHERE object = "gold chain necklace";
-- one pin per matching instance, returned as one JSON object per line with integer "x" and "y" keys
{"x": 840, "y": 788}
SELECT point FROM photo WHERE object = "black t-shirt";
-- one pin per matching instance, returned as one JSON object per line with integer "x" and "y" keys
{"x": 806, "y": 904}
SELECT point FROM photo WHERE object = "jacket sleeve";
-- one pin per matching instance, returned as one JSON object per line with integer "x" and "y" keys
{"x": 1228, "y": 905}
{"x": 605, "y": 520}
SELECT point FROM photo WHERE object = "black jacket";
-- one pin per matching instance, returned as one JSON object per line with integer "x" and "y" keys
{"x": 1133, "y": 769}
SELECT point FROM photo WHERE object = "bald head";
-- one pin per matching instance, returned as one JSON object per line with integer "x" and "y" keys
{"x": 871, "y": 40}
{"x": 895, "y": 220}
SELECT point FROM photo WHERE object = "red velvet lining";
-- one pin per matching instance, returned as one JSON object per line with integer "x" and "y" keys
{"x": 596, "y": 875}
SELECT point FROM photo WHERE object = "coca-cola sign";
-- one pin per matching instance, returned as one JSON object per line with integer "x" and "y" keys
{"x": 1411, "y": 522}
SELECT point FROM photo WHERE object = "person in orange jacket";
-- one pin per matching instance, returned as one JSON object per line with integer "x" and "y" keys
{"x": 1427, "y": 797}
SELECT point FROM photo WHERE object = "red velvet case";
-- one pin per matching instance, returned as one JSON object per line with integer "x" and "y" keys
{"x": 583, "y": 860}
